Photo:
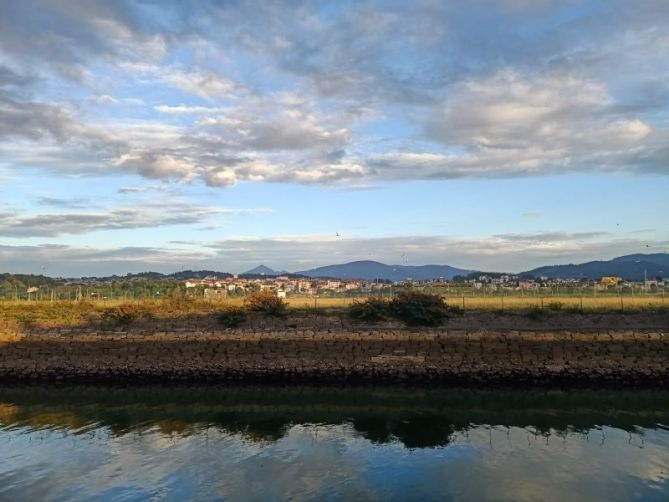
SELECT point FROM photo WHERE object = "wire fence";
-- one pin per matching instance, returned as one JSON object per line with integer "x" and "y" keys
{"x": 466, "y": 300}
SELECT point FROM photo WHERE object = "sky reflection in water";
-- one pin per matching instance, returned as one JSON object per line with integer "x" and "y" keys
{"x": 305, "y": 443}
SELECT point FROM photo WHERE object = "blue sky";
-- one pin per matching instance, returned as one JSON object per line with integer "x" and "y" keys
{"x": 496, "y": 135}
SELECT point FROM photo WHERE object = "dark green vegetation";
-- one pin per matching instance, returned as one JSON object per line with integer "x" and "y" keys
{"x": 263, "y": 303}
{"x": 232, "y": 317}
{"x": 372, "y": 309}
{"x": 419, "y": 309}
{"x": 266, "y": 303}
{"x": 414, "y": 308}
{"x": 37, "y": 287}
{"x": 124, "y": 314}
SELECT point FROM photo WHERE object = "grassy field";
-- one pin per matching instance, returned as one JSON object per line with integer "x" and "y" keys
{"x": 46, "y": 313}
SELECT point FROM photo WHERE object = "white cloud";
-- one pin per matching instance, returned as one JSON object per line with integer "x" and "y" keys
{"x": 220, "y": 178}
{"x": 150, "y": 215}
{"x": 336, "y": 99}
{"x": 185, "y": 110}
{"x": 512, "y": 124}
{"x": 205, "y": 85}
{"x": 152, "y": 165}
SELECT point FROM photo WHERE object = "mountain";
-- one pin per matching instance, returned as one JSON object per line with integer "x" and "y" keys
{"x": 157, "y": 276}
{"x": 262, "y": 270}
{"x": 371, "y": 270}
{"x": 630, "y": 267}
{"x": 658, "y": 258}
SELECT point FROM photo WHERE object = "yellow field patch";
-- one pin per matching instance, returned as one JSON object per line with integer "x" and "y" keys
{"x": 59, "y": 313}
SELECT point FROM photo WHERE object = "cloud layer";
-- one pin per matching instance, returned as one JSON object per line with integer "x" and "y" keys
{"x": 221, "y": 93}
{"x": 130, "y": 129}
{"x": 504, "y": 252}
{"x": 82, "y": 222}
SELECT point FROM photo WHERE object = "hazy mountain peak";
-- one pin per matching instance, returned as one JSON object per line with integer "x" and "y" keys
{"x": 262, "y": 270}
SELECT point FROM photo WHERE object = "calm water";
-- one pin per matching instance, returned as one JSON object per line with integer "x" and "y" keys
{"x": 329, "y": 443}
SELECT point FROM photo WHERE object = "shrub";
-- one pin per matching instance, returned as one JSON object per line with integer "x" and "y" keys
{"x": 455, "y": 309}
{"x": 123, "y": 314}
{"x": 419, "y": 309}
{"x": 555, "y": 306}
{"x": 266, "y": 303}
{"x": 27, "y": 318}
{"x": 536, "y": 312}
{"x": 370, "y": 310}
{"x": 232, "y": 317}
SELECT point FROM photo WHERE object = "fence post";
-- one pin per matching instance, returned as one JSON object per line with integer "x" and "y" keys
{"x": 463, "y": 302}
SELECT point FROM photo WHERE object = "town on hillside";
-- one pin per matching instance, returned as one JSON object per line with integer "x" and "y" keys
{"x": 213, "y": 285}
{"x": 285, "y": 286}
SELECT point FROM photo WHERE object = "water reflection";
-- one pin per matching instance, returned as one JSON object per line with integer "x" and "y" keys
{"x": 265, "y": 443}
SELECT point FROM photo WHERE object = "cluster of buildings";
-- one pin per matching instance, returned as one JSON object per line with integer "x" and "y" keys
{"x": 519, "y": 283}
{"x": 284, "y": 286}
{"x": 281, "y": 286}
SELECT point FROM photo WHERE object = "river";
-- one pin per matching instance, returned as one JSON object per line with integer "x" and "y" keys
{"x": 296, "y": 442}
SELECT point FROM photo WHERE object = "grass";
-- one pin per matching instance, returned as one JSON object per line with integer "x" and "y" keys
{"x": 589, "y": 303}
{"x": 71, "y": 313}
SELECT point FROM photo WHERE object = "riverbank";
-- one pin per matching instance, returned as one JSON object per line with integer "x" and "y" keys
{"x": 562, "y": 349}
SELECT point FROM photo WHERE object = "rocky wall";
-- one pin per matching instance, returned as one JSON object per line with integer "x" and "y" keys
{"x": 209, "y": 353}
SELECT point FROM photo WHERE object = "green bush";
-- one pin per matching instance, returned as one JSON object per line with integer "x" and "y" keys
{"x": 232, "y": 317}
{"x": 370, "y": 310}
{"x": 419, "y": 309}
{"x": 123, "y": 315}
{"x": 555, "y": 306}
{"x": 267, "y": 303}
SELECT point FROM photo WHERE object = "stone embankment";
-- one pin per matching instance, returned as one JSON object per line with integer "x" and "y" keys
{"x": 201, "y": 350}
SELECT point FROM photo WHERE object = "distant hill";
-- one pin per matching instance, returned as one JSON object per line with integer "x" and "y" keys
{"x": 630, "y": 267}
{"x": 371, "y": 270}
{"x": 658, "y": 258}
{"x": 157, "y": 276}
{"x": 262, "y": 270}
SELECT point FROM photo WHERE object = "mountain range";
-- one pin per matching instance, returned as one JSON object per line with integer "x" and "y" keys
{"x": 633, "y": 267}
{"x": 372, "y": 270}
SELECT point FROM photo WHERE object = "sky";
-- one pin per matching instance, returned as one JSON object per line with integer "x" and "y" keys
{"x": 490, "y": 135}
